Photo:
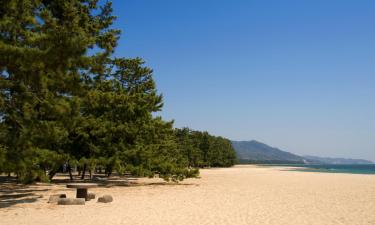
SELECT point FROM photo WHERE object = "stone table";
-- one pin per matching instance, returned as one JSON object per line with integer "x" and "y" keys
{"x": 82, "y": 189}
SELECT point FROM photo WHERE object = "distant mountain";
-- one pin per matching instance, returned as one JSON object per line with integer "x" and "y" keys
{"x": 326, "y": 160}
{"x": 257, "y": 152}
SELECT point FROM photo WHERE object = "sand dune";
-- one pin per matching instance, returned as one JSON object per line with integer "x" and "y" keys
{"x": 238, "y": 195}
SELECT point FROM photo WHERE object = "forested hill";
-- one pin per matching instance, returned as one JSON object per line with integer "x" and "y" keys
{"x": 257, "y": 152}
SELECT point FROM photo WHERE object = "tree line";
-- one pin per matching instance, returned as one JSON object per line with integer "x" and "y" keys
{"x": 65, "y": 99}
{"x": 201, "y": 149}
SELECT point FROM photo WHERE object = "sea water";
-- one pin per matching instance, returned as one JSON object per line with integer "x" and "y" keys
{"x": 337, "y": 168}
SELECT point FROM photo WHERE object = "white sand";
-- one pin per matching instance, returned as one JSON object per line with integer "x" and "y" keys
{"x": 239, "y": 195}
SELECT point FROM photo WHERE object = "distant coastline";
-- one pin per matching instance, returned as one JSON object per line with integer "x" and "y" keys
{"x": 329, "y": 168}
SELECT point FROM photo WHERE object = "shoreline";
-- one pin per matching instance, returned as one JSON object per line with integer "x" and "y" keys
{"x": 365, "y": 169}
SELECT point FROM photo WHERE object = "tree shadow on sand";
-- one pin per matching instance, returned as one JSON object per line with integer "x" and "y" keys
{"x": 12, "y": 193}
{"x": 118, "y": 181}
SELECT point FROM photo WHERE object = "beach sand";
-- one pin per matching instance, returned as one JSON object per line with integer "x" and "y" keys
{"x": 237, "y": 195}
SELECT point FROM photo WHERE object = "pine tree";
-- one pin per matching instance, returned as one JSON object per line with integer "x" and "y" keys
{"x": 65, "y": 98}
{"x": 200, "y": 149}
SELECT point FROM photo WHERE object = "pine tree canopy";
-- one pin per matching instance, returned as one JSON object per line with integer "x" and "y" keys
{"x": 65, "y": 99}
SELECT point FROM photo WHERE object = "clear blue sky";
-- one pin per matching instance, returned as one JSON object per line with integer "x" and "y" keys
{"x": 298, "y": 75}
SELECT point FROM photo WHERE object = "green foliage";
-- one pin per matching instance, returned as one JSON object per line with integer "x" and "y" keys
{"x": 2, "y": 158}
{"x": 43, "y": 47}
{"x": 65, "y": 98}
{"x": 201, "y": 149}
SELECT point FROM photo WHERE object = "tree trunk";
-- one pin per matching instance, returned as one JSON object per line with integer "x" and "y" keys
{"x": 51, "y": 174}
{"x": 70, "y": 172}
{"x": 83, "y": 172}
{"x": 109, "y": 172}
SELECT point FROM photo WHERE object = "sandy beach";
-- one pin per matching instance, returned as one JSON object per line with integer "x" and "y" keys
{"x": 237, "y": 195}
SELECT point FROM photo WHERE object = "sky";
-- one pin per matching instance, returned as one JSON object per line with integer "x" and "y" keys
{"x": 297, "y": 75}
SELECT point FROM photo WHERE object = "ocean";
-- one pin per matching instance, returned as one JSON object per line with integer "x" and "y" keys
{"x": 335, "y": 168}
